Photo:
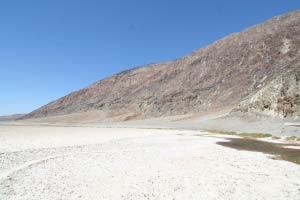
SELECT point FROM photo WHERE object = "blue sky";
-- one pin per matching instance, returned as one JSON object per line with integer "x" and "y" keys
{"x": 49, "y": 48}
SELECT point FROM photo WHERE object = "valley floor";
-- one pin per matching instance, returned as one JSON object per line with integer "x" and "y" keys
{"x": 46, "y": 162}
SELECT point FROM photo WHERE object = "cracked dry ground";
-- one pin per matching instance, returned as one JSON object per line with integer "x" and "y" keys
{"x": 162, "y": 165}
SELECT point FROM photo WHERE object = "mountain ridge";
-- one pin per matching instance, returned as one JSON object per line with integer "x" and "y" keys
{"x": 227, "y": 72}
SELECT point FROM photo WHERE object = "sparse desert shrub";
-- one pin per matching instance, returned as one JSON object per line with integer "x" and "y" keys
{"x": 221, "y": 132}
{"x": 251, "y": 135}
{"x": 291, "y": 138}
{"x": 276, "y": 137}
{"x": 255, "y": 135}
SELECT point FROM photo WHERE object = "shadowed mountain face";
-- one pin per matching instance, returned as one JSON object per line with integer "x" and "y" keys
{"x": 225, "y": 73}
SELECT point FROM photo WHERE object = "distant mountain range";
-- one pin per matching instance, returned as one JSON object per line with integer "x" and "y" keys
{"x": 11, "y": 117}
{"x": 256, "y": 70}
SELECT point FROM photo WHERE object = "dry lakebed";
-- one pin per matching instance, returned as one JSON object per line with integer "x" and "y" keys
{"x": 48, "y": 162}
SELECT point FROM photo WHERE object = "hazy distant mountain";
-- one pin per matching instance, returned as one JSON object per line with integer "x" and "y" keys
{"x": 256, "y": 70}
{"x": 11, "y": 117}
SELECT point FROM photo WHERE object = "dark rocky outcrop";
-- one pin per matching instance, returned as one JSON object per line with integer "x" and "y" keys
{"x": 280, "y": 98}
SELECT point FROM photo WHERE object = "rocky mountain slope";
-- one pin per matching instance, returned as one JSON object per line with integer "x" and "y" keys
{"x": 281, "y": 97}
{"x": 257, "y": 69}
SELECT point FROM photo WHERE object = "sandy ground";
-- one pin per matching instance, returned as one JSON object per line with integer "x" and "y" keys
{"x": 40, "y": 162}
{"x": 219, "y": 121}
{"x": 215, "y": 119}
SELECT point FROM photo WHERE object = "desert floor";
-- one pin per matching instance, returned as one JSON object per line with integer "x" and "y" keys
{"x": 45, "y": 162}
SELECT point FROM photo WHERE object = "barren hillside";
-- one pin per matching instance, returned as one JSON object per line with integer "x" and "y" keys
{"x": 232, "y": 70}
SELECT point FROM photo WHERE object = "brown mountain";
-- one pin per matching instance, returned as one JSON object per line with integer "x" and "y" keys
{"x": 11, "y": 117}
{"x": 256, "y": 70}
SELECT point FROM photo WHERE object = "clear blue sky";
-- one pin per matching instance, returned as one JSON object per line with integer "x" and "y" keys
{"x": 49, "y": 48}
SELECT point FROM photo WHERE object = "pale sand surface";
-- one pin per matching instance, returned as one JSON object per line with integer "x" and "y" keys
{"x": 40, "y": 162}
{"x": 216, "y": 119}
